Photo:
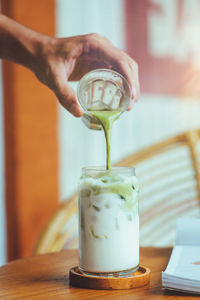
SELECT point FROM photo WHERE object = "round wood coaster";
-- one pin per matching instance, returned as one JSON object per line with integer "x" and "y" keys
{"x": 133, "y": 280}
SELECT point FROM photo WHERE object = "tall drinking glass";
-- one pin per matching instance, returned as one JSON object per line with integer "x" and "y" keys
{"x": 108, "y": 221}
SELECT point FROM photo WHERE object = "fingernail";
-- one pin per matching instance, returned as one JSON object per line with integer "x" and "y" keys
{"x": 76, "y": 110}
{"x": 130, "y": 106}
{"x": 134, "y": 93}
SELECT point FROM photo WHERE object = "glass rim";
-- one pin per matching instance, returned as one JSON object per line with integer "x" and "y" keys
{"x": 102, "y": 169}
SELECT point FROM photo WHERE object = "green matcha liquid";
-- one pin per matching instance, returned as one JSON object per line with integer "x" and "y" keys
{"x": 107, "y": 119}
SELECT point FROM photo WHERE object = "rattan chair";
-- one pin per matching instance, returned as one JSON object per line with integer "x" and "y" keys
{"x": 62, "y": 230}
{"x": 169, "y": 175}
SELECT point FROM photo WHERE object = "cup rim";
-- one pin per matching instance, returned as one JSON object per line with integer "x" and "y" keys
{"x": 102, "y": 169}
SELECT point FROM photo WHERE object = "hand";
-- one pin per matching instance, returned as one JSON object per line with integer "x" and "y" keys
{"x": 60, "y": 60}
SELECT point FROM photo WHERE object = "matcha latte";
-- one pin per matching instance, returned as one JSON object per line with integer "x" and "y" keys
{"x": 108, "y": 221}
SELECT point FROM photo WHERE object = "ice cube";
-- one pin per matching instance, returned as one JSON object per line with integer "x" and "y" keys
{"x": 96, "y": 91}
{"x": 116, "y": 100}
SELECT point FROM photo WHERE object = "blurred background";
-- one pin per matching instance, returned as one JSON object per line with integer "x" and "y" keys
{"x": 43, "y": 147}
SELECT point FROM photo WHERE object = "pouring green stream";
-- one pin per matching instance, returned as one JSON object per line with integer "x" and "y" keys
{"x": 107, "y": 119}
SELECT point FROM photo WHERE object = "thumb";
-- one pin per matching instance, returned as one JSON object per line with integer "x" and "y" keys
{"x": 68, "y": 99}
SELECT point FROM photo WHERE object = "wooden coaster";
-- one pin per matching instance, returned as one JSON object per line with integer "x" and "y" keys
{"x": 133, "y": 280}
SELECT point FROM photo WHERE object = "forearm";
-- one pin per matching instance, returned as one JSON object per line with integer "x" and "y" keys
{"x": 18, "y": 43}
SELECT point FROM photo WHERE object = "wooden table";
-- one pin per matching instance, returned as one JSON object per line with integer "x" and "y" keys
{"x": 46, "y": 277}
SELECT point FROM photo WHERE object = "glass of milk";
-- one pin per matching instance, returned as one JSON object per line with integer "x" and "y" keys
{"x": 108, "y": 221}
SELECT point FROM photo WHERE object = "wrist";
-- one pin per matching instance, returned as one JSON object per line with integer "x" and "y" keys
{"x": 37, "y": 48}
{"x": 42, "y": 52}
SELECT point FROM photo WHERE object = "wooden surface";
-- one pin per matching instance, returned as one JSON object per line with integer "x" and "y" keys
{"x": 131, "y": 281}
{"x": 31, "y": 145}
{"x": 47, "y": 277}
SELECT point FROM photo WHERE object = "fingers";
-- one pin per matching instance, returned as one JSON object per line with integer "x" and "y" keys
{"x": 102, "y": 53}
{"x": 135, "y": 83}
{"x": 130, "y": 105}
{"x": 129, "y": 69}
{"x": 126, "y": 66}
{"x": 68, "y": 99}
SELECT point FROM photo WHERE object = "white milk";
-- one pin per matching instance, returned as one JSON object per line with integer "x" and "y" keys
{"x": 108, "y": 224}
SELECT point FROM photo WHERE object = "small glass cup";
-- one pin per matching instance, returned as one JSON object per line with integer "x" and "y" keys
{"x": 102, "y": 89}
{"x": 108, "y": 222}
